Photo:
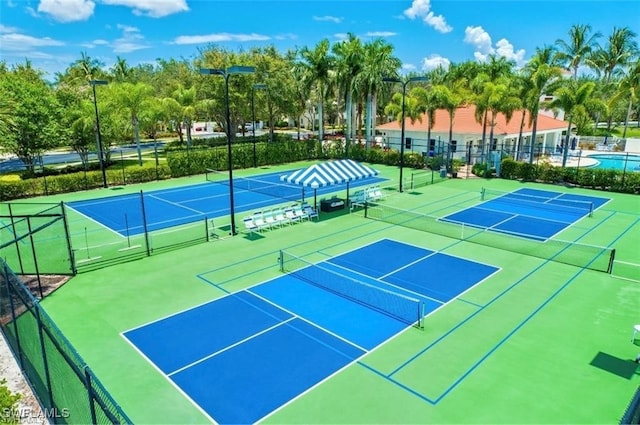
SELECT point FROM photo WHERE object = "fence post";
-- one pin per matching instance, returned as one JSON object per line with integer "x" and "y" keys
{"x": 45, "y": 362}
{"x": 17, "y": 348}
{"x": 13, "y": 228}
{"x": 35, "y": 257}
{"x": 92, "y": 408}
{"x": 144, "y": 225}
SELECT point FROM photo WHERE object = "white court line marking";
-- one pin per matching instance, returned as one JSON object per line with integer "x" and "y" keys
{"x": 229, "y": 347}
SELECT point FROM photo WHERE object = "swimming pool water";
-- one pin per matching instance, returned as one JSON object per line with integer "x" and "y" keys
{"x": 626, "y": 162}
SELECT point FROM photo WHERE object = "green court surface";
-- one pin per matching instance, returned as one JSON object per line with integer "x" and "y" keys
{"x": 538, "y": 342}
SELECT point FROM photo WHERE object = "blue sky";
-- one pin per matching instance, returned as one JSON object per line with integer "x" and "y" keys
{"x": 425, "y": 33}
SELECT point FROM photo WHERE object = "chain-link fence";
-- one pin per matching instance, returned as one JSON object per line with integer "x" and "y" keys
{"x": 67, "y": 389}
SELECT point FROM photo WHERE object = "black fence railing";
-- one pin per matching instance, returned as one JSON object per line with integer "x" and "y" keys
{"x": 67, "y": 389}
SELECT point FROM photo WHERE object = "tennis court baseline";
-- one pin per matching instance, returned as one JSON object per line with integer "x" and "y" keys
{"x": 241, "y": 357}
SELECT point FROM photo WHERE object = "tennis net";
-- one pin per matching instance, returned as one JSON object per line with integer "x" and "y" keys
{"x": 571, "y": 206}
{"x": 406, "y": 309}
{"x": 425, "y": 178}
{"x": 581, "y": 255}
{"x": 276, "y": 190}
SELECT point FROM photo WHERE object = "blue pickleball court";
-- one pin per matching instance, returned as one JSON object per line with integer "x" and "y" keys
{"x": 529, "y": 213}
{"x": 241, "y": 357}
{"x": 187, "y": 204}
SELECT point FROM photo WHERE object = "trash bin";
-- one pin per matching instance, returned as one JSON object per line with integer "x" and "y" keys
{"x": 443, "y": 172}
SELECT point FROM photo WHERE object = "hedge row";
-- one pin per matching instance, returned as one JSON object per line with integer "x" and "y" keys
{"x": 591, "y": 178}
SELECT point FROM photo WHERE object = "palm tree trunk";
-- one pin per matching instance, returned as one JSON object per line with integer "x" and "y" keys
{"x": 519, "y": 144}
{"x": 367, "y": 125}
{"x": 348, "y": 117}
{"x": 534, "y": 129}
{"x": 626, "y": 120}
{"x": 136, "y": 135}
{"x": 565, "y": 147}
{"x": 484, "y": 136}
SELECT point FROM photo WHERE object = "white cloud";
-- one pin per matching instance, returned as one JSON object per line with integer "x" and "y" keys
{"x": 4, "y": 29}
{"x": 334, "y": 19}
{"x": 434, "y": 61}
{"x": 504, "y": 48}
{"x": 422, "y": 9}
{"x": 23, "y": 42}
{"x": 152, "y": 8}
{"x": 380, "y": 34}
{"x": 287, "y": 36}
{"x": 67, "y": 10}
{"x": 94, "y": 43}
{"x": 341, "y": 36}
{"x": 408, "y": 67}
{"x": 219, "y": 37}
{"x": 481, "y": 40}
{"x": 130, "y": 41}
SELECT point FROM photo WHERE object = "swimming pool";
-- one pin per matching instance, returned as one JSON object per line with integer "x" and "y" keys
{"x": 630, "y": 162}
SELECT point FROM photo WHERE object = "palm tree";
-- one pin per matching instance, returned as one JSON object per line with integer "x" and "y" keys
{"x": 318, "y": 64}
{"x": 579, "y": 48}
{"x": 542, "y": 74}
{"x": 186, "y": 98}
{"x": 427, "y": 103}
{"x": 572, "y": 98}
{"x": 629, "y": 87}
{"x": 619, "y": 50}
{"x": 378, "y": 62}
{"x": 132, "y": 97}
{"x": 120, "y": 70}
{"x": 349, "y": 54}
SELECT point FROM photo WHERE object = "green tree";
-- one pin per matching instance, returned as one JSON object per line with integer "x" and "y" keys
{"x": 578, "y": 49}
{"x": 542, "y": 75}
{"x": 349, "y": 57}
{"x": 318, "y": 63}
{"x": 130, "y": 98}
{"x": 572, "y": 98}
{"x": 379, "y": 62}
{"x": 35, "y": 116}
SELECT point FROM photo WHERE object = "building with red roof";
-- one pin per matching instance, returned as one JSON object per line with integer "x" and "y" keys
{"x": 467, "y": 133}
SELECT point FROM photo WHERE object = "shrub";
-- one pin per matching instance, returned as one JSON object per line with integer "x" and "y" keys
{"x": 8, "y": 405}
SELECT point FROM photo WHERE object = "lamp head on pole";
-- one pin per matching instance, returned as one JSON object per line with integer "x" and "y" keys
{"x": 98, "y": 82}
{"x": 240, "y": 69}
{"x": 212, "y": 71}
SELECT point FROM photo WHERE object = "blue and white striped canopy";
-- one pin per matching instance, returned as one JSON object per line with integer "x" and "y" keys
{"x": 330, "y": 173}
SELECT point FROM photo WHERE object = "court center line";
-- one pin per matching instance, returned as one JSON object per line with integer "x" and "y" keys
{"x": 175, "y": 203}
{"x": 235, "y": 344}
{"x": 308, "y": 321}
{"x": 408, "y": 265}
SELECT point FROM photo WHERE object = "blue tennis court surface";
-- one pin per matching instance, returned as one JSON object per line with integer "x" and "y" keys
{"x": 243, "y": 356}
{"x": 187, "y": 204}
{"x": 529, "y": 213}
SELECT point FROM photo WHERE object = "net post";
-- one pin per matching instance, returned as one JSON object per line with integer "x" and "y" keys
{"x": 590, "y": 209}
{"x": 281, "y": 260}
{"x": 482, "y": 192}
{"x": 411, "y": 184}
{"x": 366, "y": 209}
{"x": 612, "y": 257}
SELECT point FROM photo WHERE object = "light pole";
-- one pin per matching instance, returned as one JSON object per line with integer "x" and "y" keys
{"x": 404, "y": 94}
{"x": 253, "y": 119}
{"x": 226, "y": 73}
{"x": 95, "y": 83}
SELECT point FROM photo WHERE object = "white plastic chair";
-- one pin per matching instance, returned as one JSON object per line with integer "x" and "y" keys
{"x": 249, "y": 225}
{"x": 299, "y": 212}
{"x": 636, "y": 329}
{"x": 280, "y": 218}
{"x": 258, "y": 219}
{"x": 270, "y": 220}
{"x": 290, "y": 214}
{"x": 310, "y": 212}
